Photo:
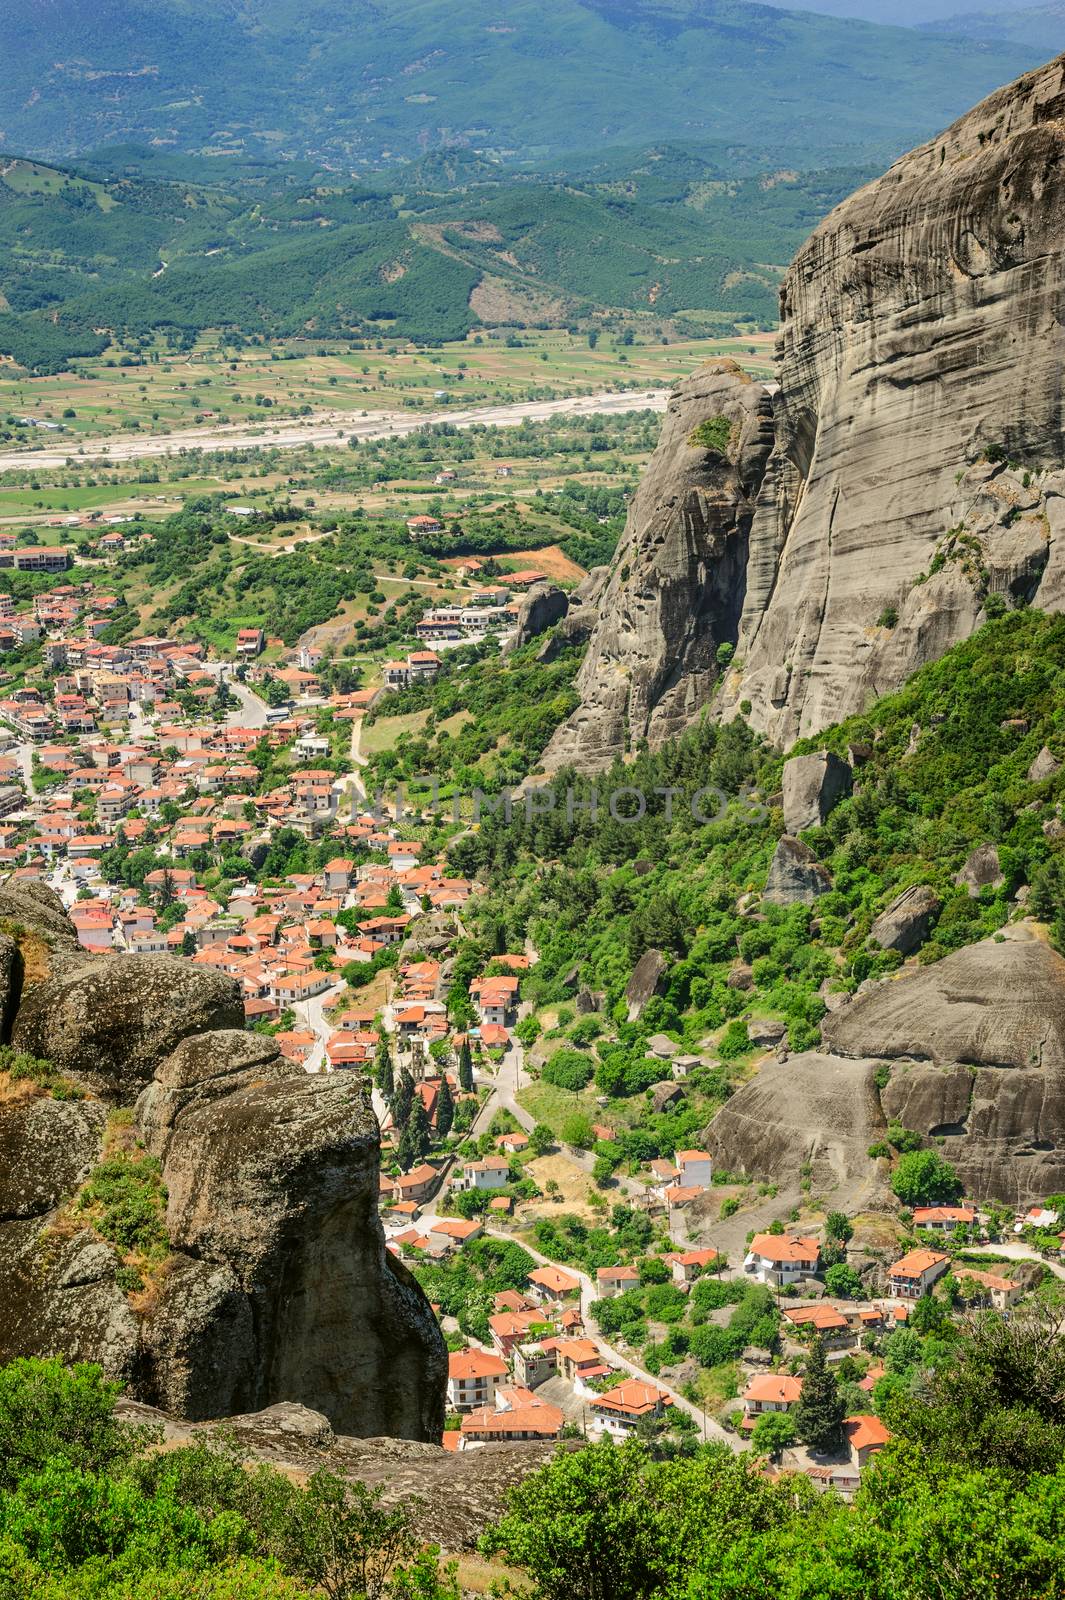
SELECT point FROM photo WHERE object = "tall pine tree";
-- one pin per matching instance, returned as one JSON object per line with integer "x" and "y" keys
{"x": 406, "y": 1154}
{"x": 820, "y": 1411}
{"x": 384, "y": 1076}
{"x": 445, "y": 1110}
{"x": 403, "y": 1099}
{"x": 465, "y": 1067}
{"x": 418, "y": 1127}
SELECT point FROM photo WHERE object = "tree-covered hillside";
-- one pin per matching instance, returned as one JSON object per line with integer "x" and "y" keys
{"x": 940, "y": 768}
{"x": 372, "y": 80}
{"x": 270, "y": 253}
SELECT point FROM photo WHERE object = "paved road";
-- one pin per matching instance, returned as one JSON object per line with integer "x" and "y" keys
{"x": 1015, "y": 1251}
{"x": 328, "y": 428}
{"x": 709, "y": 1428}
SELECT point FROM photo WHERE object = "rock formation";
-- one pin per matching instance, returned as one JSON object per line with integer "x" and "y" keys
{"x": 272, "y": 1283}
{"x": 910, "y": 463}
{"x": 904, "y": 925}
{"x": 811, "y": 786}
{"x": 795, "y": 875}
{"x": 969, "y": 1052}
{"x": 543, "y": 606}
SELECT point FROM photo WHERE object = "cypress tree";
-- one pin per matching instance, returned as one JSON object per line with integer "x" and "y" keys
{"x": 406, "y": 1154}
{"x": 820, "y": 1411}
{"x": 445, "y": 1110}
{"x": 465, "y": 1068}
{"x": 419, "y": 1130}
{"x": 403, "y": 1099}
{"x": 384, "y": 1076}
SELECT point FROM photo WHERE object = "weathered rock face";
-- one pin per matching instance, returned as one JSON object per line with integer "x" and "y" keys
{"x": 982, "y": 870}
{"x": 453, "y": 1498}
{"x": 904, "y": 925}
{"x": 675, "y": 589}
{"x": 646, "y": 981}
{"x": 795, "y": 875}
{"x": 811, "y": 786}
{"x": 543, "y": 606}
{"x": 277, "y": 1286}
{"x": 857, "y": 527}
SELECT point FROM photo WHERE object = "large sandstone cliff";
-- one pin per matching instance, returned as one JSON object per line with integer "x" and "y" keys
{"x": 275, "y": 1284}
{"x": 922, "y": 326}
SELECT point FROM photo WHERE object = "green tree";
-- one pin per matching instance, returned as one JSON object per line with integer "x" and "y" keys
{"x": 541, "y": 1139}
{"x": 403, "y": 1099}
{"x": 421, "y": 1136}
{"x": 923, "y": 1178}
{"x": 820, "y": 1410}
{"x": 465, "y": 1067}
{"x": 577, "y": 1132}
{"x": 838, "y": 1226}
{"x": 51, "y": 1412}
{"x": 445, "y": 1109}
{"x": 843, "y": 1281}
{"x": 384, "y": 1076}
{"x": 773, "y": 1432}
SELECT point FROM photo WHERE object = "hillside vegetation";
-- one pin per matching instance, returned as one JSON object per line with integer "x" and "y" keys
{"x": 269, "y": 254}
{"x": 372, "y": 81}
{"x": 944, "y": 769}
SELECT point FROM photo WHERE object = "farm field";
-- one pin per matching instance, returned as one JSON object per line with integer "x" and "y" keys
{"x": 154, "y": 391}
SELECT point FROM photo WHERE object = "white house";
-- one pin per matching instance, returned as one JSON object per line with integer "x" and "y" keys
{"x": 695, "y": 1169}
{"x": 775, "y": 1259}
{"x": 472, "y": 1376}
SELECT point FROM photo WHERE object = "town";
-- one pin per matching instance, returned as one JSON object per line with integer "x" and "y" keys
{"x": 178, "y": 809}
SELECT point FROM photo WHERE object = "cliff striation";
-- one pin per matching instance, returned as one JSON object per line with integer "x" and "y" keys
{"x": 185, "y": 1206}
{"x": 837, "y": 532}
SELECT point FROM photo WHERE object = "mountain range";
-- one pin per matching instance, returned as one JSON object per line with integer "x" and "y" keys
{"x": 366, "y": 81}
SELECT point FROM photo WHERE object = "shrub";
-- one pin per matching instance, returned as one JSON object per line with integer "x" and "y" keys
{"x": 923, "y": 1178}
{"x": 567, "y": 1069}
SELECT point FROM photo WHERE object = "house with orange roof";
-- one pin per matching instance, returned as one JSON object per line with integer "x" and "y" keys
{"x": 914, "y": 1275}
{"x": 769, "y": 1391}
{"x": 692, "y": 1264}
{"x": 509, "y": 1328}
{"x": 472, "y": 1376}
{"x": 778, "y": 1260}
{"x": 550, "y": 1285}
{"x": 865, "y": 1435}
{"x": 579, "y": 1361}
{"x": 944, "y": 1219}
{"x": 517, "y": 1415}
{"x": 1002, "y": 1292}
{"x": 611, "y": 1281}
{"x": 620, "y": 1411}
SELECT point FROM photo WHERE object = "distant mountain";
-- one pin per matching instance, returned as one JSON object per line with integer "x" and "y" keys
{"x": 892, "y": 13}
{"x": 351, "y": 81}
{"x": 1040, "y": 28}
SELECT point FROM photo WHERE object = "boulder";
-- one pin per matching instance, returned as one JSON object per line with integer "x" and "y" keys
{"x": 811, "y": 787}
{"x": 815, "y": 1112}
{"x": 741, "y": 976}
{"x": 277, "y": 1287}
{"x": 109, "y": 1021}
{"x": 543, "y": 606}
{"x": 795, "y": 875}
{"x": 1044, "y": 766}
{"x": 904, "y": 925}
{"x": 766, "y": 1032}
{"x": 647, "y": 980}
{"x": 981, "y": 870}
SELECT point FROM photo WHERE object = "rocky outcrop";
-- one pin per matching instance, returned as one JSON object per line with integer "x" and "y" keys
{"x": 675, "y": 590}
{"x": 274, "y": 1284}
{"x": 647, "y": 980}
{"x": 543, "y": 606}
{"x": 453, "y": 1497}
{"x": 968, "y": 1052}
{"x": 811, "y": 787}
{"x": 905, "y": 924}
{"x": 981, "y": 870}
{"x": 1045, "y": 765}
{"x": 813, "y": 1111}
{"x": 796, "y": 877}
{"x": 909, "y": 464}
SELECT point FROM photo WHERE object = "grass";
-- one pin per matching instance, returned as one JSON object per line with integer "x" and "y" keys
{"x": 383, "y": 734}
{"x": 552, "y": 1106}
{"x": 209, "y": 385}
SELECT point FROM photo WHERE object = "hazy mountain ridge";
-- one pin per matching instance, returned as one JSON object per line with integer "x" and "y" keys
{"x": 362, "y": 81}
